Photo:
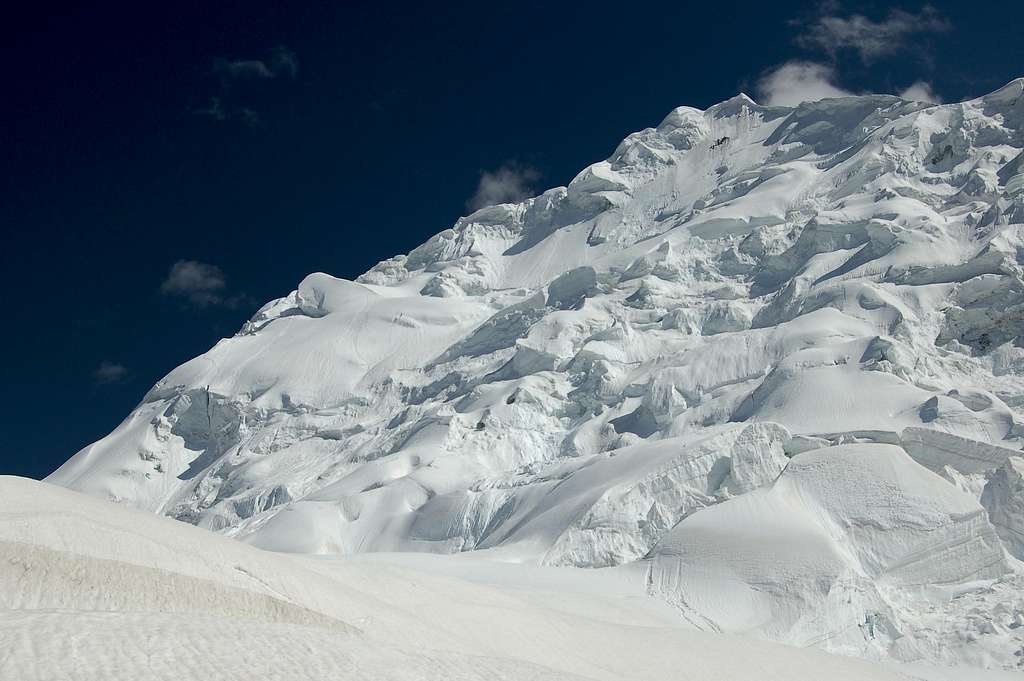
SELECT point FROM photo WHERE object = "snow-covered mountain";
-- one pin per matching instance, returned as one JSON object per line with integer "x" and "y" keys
{"x": 769, "y": 359}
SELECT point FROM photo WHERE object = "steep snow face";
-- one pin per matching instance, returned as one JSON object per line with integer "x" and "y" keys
{"x": 1003, "y": 497}
{"x": 852, "y": 545}
{"x": 565, "y": 380}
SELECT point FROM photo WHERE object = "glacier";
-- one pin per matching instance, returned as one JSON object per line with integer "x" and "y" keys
{"x": 766, "y": 361}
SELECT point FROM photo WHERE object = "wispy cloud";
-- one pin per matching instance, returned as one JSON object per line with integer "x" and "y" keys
{"x": 109, "y": 372}
{"x": 799, "y": 81}
{"x": 508, "y": 184}
{"x": 832, "y": 33}
{"x": 199, "y": 283}
{"x": 239, "y": 79}
{"x": 219, "y": 111}
{"x": 280, "y": 63}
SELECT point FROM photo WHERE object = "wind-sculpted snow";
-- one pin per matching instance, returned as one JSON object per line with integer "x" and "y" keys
{"x": 578, "y": 378}
{"x": 90, "y": 590}
{"x": 842, "y": 549}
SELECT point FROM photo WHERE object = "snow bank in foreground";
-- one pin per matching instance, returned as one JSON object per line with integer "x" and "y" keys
{"x": 89, "y": 590}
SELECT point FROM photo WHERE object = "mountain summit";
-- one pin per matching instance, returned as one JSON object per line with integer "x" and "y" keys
{"x": 769, "y": 358}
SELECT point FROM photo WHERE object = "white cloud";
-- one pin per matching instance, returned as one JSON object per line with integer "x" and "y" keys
{"x": 799, "y": 81}
{"x": 921, "y": 92}
{"x": 200, "y": 283}
{"x": 870, "y": 39}
{"x": 109, "y": 372}
{"x": 507, "y": 184}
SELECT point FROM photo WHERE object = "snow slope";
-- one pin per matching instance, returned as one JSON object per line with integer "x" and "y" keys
{"x": 602, "y": 375}
{"x": 842, "y": 547}
{"x": 90, "y": 590}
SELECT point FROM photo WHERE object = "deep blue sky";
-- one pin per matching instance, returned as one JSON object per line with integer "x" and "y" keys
{"x": 342, "y": 135}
